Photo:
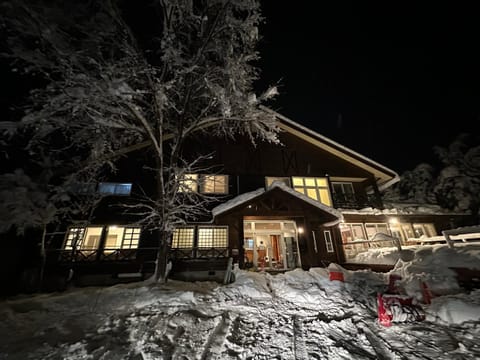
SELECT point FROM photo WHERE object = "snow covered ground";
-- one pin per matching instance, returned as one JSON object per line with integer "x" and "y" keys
{"x": 296, "y": 315}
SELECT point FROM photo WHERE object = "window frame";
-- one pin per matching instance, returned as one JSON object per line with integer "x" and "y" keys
{"x": 328, "y": 241}
{"x": 317, "y": 188}
{"x": 116, "y": 187}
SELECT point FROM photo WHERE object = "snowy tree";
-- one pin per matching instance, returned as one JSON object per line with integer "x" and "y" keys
{"x": 457, "y": 186}
{"x": 414, "y": 186}
{"x": 104, "y": 91}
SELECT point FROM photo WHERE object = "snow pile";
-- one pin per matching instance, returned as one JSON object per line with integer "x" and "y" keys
{"x": 455, "y": 309}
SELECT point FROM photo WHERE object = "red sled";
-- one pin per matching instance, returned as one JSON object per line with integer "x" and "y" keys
{"x": 395, "y": 308}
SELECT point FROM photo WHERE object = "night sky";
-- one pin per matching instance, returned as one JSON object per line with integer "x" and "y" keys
{"x": 389, "y": 81}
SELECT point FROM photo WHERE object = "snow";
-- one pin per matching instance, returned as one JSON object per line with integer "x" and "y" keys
{"x": 295, "y": 315}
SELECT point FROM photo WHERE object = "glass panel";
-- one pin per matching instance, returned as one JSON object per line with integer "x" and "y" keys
{"x": 267, "y": 226}
{"x": 328, "y": 241}
{"x": 325, "y": 197}
{"x": 297, "y": 181}
{"x": 189, "y": 183}
{"x": 209, "y": 237}
{"x": 348, "y": 188}
{"x": 183, "y": 238}
{"x": 289, "y": 226}
{"x": 74, "y": 237}
{"x": 322, "y": 182}
{"x": 247, "y": 226}
{"x": 418, "y": 230}
{"x": 114, "y": 237}
{"x": 346, "y": 231}
{"x": 430, "y": 229}
{"x": 337, "y": 188}
{"x": 312, "y": 193}
{"x": 408, "y": 230}
{"x": 310, "y": 182}
{"x": 383, "y": 228}
{"x": 371, "y": 230}
{"x": 92, "y": 238}
{"x": 131, "y": 238}
{"x": 106, "y": 188}
{"x": 300, "y": 190}
{"x": 358, "y": 231}
{"x": 214, "y": 184}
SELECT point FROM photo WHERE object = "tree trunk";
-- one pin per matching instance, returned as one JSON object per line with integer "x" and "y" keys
{"x": 43, "y": 258}
{"x": 162, "y": 255}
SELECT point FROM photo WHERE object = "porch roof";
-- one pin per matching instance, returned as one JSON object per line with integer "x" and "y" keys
{"x": 244, "y": 199}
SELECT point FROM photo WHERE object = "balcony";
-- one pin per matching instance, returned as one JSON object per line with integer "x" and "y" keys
{"x": 356, "y": 201}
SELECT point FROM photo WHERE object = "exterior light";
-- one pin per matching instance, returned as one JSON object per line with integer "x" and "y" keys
{"x": 300, "y": 230}
{"x": 393, "y": 220}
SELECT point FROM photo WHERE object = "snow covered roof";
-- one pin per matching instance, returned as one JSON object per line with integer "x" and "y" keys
{"x": 401, "y": 209}
{"x": 384, "y": 176}
{"x": 244, "y": 198}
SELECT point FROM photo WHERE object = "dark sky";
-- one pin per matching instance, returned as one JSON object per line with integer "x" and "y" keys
{"x": 389, "y": 81}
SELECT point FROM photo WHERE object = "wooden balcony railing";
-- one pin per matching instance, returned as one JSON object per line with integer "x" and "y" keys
{"x": 356, "y": 201}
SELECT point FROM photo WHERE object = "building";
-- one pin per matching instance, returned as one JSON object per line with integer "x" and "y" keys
{"x": 305, "y": 203}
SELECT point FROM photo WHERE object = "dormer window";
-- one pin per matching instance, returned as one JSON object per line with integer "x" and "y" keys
{"x": 313, "y": 187}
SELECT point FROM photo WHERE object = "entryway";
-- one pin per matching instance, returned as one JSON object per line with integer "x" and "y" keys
{"x": 271, "y": 244}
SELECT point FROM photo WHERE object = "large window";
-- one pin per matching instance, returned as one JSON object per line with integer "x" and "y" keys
{"x": 352, "y": 232}
{"x": 315, "y": 188}
{"x": 108, "y": 188}
{"x": 328, "y": 240}
{"x": 372, "y": 229}
{"x": 183, "y": 238}
{"x": 212, "y": 236}
{"x": 214, "y": 184}
{"x": 89, "y": 237}
{"x": 427, "y": 230}
{"x": 207, "y": 184}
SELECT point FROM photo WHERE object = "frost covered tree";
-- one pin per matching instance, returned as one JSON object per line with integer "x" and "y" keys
{"x": 414, "y": 186}
{"x": 457, "y": 186}
{"x": 103, "y": 90}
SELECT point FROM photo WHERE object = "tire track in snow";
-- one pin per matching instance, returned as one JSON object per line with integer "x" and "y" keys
{"x": 299, "y": 347}
{"x": 217, "y": 337}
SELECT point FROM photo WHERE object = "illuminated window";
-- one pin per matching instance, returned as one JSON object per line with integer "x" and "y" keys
{"x": 372, "y": 229}
{"x": 189, "y": 183}
{"x": 131, "y": 237}
{"x": 207, "y": 184}
{"x": 120, "y": 237}
{"x": 107, "y": 188}
{"x": 424, "y": 230}
{"x": 315, "y": 188}
{"x": 328, "y": 241}
{"x": 214, "y": 184}
{"x": 74, "y": 237}
{"x": 183, "y": 238}
{"x": 351, "y": 232}
{"x": 212, "y": 236}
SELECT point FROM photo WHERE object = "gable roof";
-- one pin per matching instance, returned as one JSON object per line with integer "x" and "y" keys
{"x": 384, "y": 176}
{"x": 245, "y": 198}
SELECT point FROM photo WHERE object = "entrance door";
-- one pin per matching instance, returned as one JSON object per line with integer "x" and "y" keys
{"x": 271, "y": 245}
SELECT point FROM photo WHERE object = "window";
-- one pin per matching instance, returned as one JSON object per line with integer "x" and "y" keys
{"x": 82, "y": 188}
{"x": 269, "y": 180}
{"x": 351, "y": 232}
{"x": 315, "y": 188}
{"x": 189, "y": 183}
{"x": 92, "y": 238}
{"x": 328, "y": 241}
{"x": 120, "y": 237}
{"x": 208, "y": 184}
{"x": 345, "y": 188}
{"x": 214, "y": 184}
{"x": 212, "y": 236}
{"x": 74, "y": 237}
{"x": 372, "y": 229}
{"x": 424, "y": 230}
{"x": 183, "y": 238}
{"x": 107, "y": 188}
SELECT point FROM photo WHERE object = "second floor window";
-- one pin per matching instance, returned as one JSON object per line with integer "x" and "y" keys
{"x": 343, "y": 190}
{"x": 205, "y": 184}
{"x": 315, "y": 188}
{"x": 109, "y": 188}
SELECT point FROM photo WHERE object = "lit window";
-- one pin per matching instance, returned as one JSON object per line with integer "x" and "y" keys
{"x": 189, "y": 183}
{"x": 373, "y": 229}
{"x": 328, "y": 241}
{"x": 212, "y": 236}
{"x": 131, "y": 237}
{"x": 107, "y": 188}
{"x": 120, "y": 237}
{"x": 74, "y": 237}
{"x": 424, "y": 230}
{"x": 214, "y": 184}
{"x": 351, "y": 232}
{"x": 183, "y": 238}
{"x": 315, "y": 188}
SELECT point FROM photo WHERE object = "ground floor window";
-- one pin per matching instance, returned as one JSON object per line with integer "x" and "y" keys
{"x": 328, "y": 241}
{"x": 202, "y": 241}
{"x": 90, "y": 237}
